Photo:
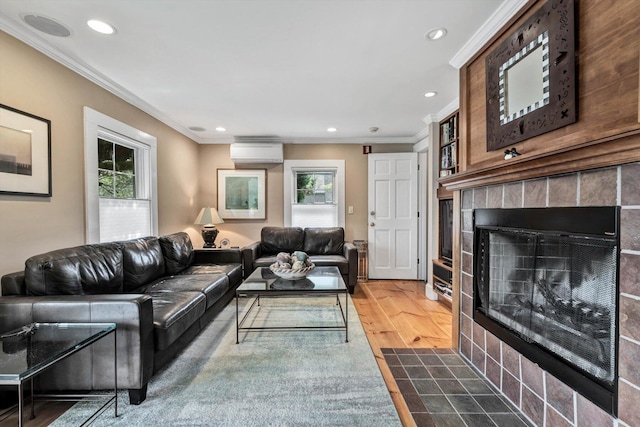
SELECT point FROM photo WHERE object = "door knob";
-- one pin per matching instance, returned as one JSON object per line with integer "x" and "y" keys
{"x": 373, "y": 212}
{"x": 372, "y": 224}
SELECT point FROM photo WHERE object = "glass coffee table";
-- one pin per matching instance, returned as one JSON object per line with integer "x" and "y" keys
{"x": 34, "y": 348}
{"x": 321, "y": 281}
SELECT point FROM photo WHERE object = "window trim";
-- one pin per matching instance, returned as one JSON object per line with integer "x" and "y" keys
{"x": 98, "y": 125}
{"x": 292, "y": 166}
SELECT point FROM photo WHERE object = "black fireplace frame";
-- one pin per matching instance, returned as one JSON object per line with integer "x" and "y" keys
{"x": 596, "y": 221}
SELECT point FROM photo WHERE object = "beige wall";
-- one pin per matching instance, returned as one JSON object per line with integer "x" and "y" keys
{"x": 243, "y": 232}
{"x": 31, "y": 82}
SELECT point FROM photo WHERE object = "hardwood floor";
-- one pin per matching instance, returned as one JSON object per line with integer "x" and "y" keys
{"x": 394, "y": 314}
{"x": 397, "y": 314}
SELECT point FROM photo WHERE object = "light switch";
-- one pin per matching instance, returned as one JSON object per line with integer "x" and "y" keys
{"x": 350, "y": 209}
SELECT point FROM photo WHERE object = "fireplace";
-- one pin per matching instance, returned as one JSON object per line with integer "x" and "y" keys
{"x": 546, "y": 283}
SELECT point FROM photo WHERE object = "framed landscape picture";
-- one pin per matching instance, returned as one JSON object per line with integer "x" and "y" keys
{"x": 25, "y": 153}
{"x": 242, "y": 193}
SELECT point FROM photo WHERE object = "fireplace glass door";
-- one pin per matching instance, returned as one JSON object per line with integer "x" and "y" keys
{"x": 558, "y": 291}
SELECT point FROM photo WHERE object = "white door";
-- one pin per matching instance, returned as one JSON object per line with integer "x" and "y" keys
{"x": 393, "y": 216}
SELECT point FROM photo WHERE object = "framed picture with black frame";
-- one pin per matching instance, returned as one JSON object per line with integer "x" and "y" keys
{"x": 25, "y": 153}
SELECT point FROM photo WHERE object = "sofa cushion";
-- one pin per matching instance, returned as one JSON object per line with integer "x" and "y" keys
{"x": 281, "y": 239}
{"x": 331, "y": 261}
{"x": 213, "y": 286}
{"x": 174, "y": 313}
{"x": 233, "y": 271}
{"x": 178, "y": 252}
{"x": 263, "y": 261}
{"x": 324, "y": 241}
{"x": 82, "y": 270}
{"x": 143, "y": 262}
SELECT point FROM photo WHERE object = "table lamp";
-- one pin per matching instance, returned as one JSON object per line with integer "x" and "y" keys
{"x": 208, "y": 217}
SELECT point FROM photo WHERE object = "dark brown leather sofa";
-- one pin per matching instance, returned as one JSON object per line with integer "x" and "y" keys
{"x": 158, "y": 290}
{"x": 325, "y": 247}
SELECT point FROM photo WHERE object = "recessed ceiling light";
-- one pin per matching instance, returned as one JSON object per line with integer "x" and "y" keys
{"x": 331, "y": 129}
{"x": 430, "y": 94}
{"x": 47, "y": 25}
{"x": 220, "y": 129}
{"x": 197, "y": 129}
{"x": 101, "y": 26}
{"x": 436, "y": 34}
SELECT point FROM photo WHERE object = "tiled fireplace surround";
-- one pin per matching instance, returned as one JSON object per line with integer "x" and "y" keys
{"x": 544, "y": 399}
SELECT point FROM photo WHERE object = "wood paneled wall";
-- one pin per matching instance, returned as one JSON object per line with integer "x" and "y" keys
{"x": 607, "y": 131}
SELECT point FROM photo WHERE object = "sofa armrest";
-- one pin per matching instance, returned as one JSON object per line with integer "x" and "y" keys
{"x": 14, "y": 284}
{"x": 249, "y": 254}
{"x": 351, "y": 254}
{"x": 92, "y": 369}
{"x": 217, "y": 256}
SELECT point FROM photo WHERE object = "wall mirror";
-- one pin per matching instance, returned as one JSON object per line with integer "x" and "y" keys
{"x": 531, "y": 80}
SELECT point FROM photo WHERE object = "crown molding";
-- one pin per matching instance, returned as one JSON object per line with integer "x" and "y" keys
{"x": 39, "y": 43}
{"x": 507, "y": 10}
{"x": 448, "y": 109}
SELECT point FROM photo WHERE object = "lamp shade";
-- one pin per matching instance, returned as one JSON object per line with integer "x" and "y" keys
{"x": 208, "y": 216}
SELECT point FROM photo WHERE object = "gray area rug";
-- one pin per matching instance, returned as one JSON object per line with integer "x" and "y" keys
{"x": 272, "y": 378}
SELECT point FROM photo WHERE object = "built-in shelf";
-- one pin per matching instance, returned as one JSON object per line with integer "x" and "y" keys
{"x": 449, "y": 142}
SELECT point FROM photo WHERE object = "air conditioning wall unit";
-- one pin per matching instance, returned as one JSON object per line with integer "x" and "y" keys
{"x": 256, "y": 152}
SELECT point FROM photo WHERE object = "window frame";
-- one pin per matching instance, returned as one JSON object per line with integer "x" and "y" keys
{"x": 98, "y": 125}
{"x": 289, "y": 187}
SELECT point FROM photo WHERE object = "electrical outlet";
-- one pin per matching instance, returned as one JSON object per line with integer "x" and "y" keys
{"x": 350, "y": 209}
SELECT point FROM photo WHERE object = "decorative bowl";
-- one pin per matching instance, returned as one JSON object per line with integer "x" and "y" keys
{"x": 291, "y": 274}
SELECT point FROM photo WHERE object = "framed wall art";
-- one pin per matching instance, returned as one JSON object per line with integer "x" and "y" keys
{"x": 25, "y": 153}
{"x": 242, "y": 193}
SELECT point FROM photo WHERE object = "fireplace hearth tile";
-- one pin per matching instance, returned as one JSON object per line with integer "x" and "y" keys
{"x": 630, "y": 184}
{"x": 493, "y": 371}
{"x": 535, "y": 193}
{"x": 467, "y": 221}
{"x": 590, "y": 414}
{"x": 478, "y": 358}
{"x": 555, "y": 419}
{"x": 629, "y": 274}
{"x": 478, "y": 335}
{"x": 467, "y": 242}
{"x": 467, "y": 284}
{"x": 630, "y": 229}
{"x": 532, "y": 376}
{"x": 467, "y": 199}
{"x": 628, "y": 399}
{"x": 513, "y": 195}
{"x": 599, "y": 188}
{"x": 493, "y": 347}
{"x": 467, "y": 263}
{"x": 511, "y": 387}
{"x": 629, "y": 361}
{"x": 494, "y": 196}
{"x": 563, "y": 190}
{"x": 467, "y": 305}
{"x": 560, "y": 396}
{"x": 630, "y": 317}
{"x": 533, "y": 406}
{"x": 480, "y": 198}
{"x": 446, "y": 402}
{"x": 511, "y": 360}
{"x": 465, "y": 346}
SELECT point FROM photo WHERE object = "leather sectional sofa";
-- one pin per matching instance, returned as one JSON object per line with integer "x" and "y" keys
{"x": 325, "y": 247}
{"x": 158, "y": 290}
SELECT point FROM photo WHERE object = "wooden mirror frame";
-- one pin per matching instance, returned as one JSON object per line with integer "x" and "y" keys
{"x": 556, "y": 17}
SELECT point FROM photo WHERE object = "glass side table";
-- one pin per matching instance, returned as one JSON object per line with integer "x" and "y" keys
{"x": 34, "y": 348}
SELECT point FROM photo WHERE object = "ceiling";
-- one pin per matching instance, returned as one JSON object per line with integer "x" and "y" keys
{"x": 273, "y": 69}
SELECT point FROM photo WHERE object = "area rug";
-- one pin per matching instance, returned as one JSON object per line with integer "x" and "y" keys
{"x": 274, "y": 378}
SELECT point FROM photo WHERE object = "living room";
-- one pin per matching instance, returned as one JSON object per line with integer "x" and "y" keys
{"x": 604, "y": 140}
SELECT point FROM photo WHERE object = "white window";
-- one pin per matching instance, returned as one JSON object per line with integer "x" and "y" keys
{"x": 314, "y": 193}
{"x": 120, "y": 180}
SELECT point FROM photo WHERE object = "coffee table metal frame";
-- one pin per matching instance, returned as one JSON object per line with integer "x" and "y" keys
{"x": 19, "y": 378}
{"x": 268, "y": 292}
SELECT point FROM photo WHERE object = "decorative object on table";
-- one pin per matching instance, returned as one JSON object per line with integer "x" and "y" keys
{"x": 225, "y": 243}
{"x": 292, "y": 266}
{"x": 208, "y": 217}
{"x": 242, "y": 193}
{"x": 25, "y": 153}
